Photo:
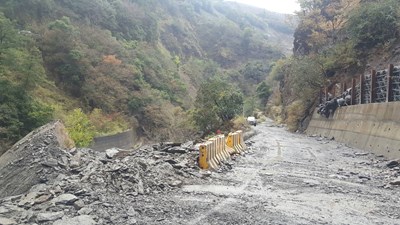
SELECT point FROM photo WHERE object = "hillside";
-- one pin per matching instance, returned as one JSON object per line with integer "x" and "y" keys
{"x": 128, "y": 63}
{"x": 334, "y": 42}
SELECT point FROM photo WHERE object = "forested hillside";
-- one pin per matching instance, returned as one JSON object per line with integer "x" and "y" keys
{"x": 104, "y": 66}
{"x": 334, "y": 42}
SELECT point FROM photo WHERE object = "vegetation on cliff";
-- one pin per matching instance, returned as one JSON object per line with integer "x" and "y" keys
{"x": 334, "y": 41}
{"x": 136, "y": 61}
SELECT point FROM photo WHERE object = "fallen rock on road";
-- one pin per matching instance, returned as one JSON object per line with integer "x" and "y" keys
{"x": 44, "y": 182}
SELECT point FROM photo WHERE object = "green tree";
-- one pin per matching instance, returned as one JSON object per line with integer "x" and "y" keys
{"x": 249, "y": 106}
{"x": 20, "y": 60}
{"x": 374, "y": 23}
{"x": 28, "y": 11}
{"x": 306, "y": 78}
{"x": 216, "y": 104}
{"x": 64, "y": 59}
{"x": 79, "y": 128}
{"x": 7, "y": 33}
{"x": 19, "y": 113}
{"x": 263, "y": 92}
{"x": 254, "y": 72}
{"x": 320, "y": 24}
{"x": 177, "y": 61}
{"x": 246, "y": 39}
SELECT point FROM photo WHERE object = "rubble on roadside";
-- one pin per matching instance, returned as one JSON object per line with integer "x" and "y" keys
{"x": 79, "y": 186}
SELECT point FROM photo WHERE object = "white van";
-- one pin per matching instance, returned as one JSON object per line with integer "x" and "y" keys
{"x": 252, "y": 120}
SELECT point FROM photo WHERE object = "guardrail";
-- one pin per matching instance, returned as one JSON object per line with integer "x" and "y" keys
{"x": 219, "y": 149}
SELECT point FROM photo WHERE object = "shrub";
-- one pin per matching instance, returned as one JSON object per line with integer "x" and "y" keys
{"x": 107, "y": 124}
{"x": 240, "y": 123}
{"x": 79, "y": 128}
{"x": 295, "y": 112}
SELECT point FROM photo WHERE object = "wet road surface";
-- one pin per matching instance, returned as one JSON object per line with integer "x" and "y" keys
{"x": 290, "y": 178}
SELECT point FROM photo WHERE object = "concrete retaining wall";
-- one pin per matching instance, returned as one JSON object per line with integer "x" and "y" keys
{"x": 373, "y": 127}
{"x": 123, "y": 140}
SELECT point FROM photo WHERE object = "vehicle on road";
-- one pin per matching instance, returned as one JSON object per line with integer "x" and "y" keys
{"x": 252, "y": 120}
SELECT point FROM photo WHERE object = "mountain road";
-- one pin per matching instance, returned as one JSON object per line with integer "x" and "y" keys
{"x": 289, "y": 178}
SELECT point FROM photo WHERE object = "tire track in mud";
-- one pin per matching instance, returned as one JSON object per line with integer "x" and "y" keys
{"x": 231, "y": 200}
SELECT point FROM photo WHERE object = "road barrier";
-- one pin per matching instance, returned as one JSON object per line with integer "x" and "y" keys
{"x": 219, "y": 149}
{"x": 235, "y": 141}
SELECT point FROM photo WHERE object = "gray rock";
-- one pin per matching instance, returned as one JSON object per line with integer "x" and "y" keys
{"x": 6, "y": 221}
{"x": 177, "y": 150}
{"x": 28, "y": 199}
{"x": 27, "y": 215}
{"x": 171, "y": 161}
{"x": 110, "y": 153}
{"x": 311, "y": 183}
{"x": 132, "y": 221}
{"x": 85, "y": 211}
{"x": 132, "y": 212}
{"x": 79, "y": 204}
{"x": 74, "y": 163}
{"x": 43, "y": 198}
{"x": 393, "y": 163}
{"x": 50, "y": 163}
{"x": 65, "y": 199}
{"x": 395, "y": 182}
{"x": 364, "y": 177}
{"x": 4, "y": 210}
{"x": 175, "y": 183}
{"x": 64, "y": 161}
{"x": 188, "y": 144}
{"x": 79, "y": 220}
{"x": 12, "y": 198}
{"x": 170, "y": 144}
{"x": 361, "y": 153}
{"x": 50, "y": 216}
{"x": 178, "y": 166}
{"x": 38, "y": 188}
{"x": 140, "y": 188}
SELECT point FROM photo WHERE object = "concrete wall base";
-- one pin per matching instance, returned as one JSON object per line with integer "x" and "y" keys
{"x": 125, "y": 140}
{"x": 372, "y": 127}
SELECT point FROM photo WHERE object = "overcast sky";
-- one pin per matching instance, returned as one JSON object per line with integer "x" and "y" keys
{"x": 281, "y": 6}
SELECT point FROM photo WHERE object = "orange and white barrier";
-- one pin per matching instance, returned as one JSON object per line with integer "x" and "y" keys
{"x": 218, "y": 149}
{"x": 235, "y": 141}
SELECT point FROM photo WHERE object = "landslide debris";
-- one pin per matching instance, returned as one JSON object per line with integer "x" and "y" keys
{"x": 44, "y": 182}
{"x": 36, "y": 158}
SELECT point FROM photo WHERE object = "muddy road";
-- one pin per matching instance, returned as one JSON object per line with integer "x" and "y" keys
{"x": 289, "y": 179}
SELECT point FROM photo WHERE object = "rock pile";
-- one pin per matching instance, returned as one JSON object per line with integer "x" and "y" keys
{"x": 83, "y": 186}
{"x": 35, "y": 159}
